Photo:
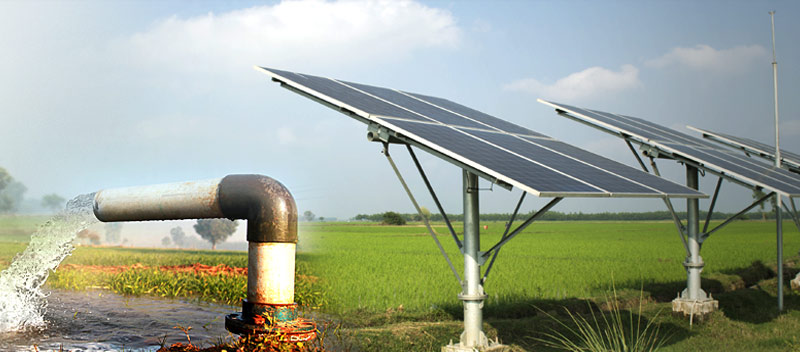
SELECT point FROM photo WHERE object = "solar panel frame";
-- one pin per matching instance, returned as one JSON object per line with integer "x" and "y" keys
{"x": 749, "y": 146}
{"x": 689, "y": 149}
{"x": 366, "y": 104}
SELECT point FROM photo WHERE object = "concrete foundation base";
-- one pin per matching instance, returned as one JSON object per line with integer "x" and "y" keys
{"x": 491, "y": 346}
{"x": 796, "y": 282}
{"x": 694, "y": 308}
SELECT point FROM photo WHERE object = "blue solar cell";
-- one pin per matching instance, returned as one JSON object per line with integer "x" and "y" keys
{"x": 476, "y": 115}
{"x": 420, "y": 107}
{"x": 615, "y": 167}
{"x": 568, "y": 165}
{"x": 348, "y": 95}
{"x": 507, "y": 164}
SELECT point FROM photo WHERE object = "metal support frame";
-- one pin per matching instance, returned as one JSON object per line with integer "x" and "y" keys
{"x": 472, "y": 293}
{"x": 693, "y": 300}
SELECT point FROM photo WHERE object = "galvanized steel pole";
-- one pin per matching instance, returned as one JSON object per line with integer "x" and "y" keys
{"x": 778, "y": 214}
{"x": 472, "y": 294}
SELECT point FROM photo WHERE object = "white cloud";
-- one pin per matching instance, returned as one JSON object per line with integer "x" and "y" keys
{"x": 589, "y": 82}
{"x": 301, "y": 33}
{"x": 285, "y": 136}
{"x": 704, "y": 57}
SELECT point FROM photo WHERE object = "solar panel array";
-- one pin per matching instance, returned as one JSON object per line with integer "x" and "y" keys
{"x": 513, "y": 154}
{"x": 707, "y": 154}
{"x": 789, "y": 159}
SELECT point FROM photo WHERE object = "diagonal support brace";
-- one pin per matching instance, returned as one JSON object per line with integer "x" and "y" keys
{"x": 711, "y": 207}
{"x": 792, "y": 212}
{"x": 530, "y": 220}
{"x": 704, "y": 236}
{"x": 424, "y": 219}
{"x": 505, "y": 234}
{"x": 435, "y": 198}
{"x": 675, "y": 218}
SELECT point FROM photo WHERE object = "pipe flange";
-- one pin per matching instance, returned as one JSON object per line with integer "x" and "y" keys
{"x": 479, "y": 297}
{"x": 298, "y": 330}
{"x": 690, "y": 265}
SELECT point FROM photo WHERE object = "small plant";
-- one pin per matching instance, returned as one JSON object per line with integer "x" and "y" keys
{"x": 609, "y": 332}
{"x": 185, "y": 331}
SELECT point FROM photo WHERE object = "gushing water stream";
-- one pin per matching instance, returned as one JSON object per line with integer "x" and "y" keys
{"x": 22, "y": 302}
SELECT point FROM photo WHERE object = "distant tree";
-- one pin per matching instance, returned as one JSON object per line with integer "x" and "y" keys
{"x": 89, "y": 236}
{"x": 5, "y": 178}
{"x": 53, "y": 202}
{"x": 165, "y": 241}
{"x": 113, "y": 231}
{"x": 11, "y": 196}
{"x": 7, "y": 197}
{"x": 361, "y": 217}
{"x": 425, "y": 212}
{"x": 308, "y": 215}
{"x": 321, "y": 218}
{"x": 757, "y": 194}
{"x": 178, "y": 236}
{"x": 392, "y": 218}
{"x": 215, "y": 230}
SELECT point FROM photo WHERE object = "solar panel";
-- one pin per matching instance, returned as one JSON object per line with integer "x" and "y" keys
{"x": 707, "y": 155}
{"x": 474, "y": 140}
{"x": 749, "y": 146}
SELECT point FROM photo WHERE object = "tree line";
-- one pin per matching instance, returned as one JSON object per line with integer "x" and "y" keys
{"x": 576, "y": 216}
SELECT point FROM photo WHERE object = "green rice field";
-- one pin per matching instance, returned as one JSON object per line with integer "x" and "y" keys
{"x": 391, "y": 290}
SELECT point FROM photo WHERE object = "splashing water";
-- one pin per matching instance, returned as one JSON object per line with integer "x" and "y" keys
{"x": 22, "y": 302}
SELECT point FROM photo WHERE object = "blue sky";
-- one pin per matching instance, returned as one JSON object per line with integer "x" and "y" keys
{"x": 111, "y": 94}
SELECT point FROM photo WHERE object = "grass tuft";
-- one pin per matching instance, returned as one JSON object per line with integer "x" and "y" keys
{"x": 605, "y": 332}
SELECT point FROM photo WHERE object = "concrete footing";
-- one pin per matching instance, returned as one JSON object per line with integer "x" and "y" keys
{"x": 488, "y": 346}
{"x": 796, "y": 282}
{"x": 694, "y": 308}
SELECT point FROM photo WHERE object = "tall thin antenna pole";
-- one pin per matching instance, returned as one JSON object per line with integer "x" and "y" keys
{"x": 778, "y": 201}
{"x": 775, "y": 82}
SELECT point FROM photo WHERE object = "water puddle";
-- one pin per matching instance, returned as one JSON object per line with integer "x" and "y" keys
{"x": 104, "y": 321}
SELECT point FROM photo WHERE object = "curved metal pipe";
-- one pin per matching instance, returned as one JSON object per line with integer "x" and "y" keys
{"x": 265, "y": 203}
{"x": 271, "y": 215}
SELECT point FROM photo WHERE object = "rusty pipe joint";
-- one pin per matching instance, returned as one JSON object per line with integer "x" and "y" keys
{"x": 271, "y": 216}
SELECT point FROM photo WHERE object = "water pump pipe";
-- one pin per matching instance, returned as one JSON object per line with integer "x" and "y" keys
{"x": 271, "y": 217}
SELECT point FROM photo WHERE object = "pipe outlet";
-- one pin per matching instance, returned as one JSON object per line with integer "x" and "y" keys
{"x": 271, "y": 216}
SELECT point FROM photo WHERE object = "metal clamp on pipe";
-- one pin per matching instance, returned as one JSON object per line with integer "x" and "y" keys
{"x": 271, "y": 216}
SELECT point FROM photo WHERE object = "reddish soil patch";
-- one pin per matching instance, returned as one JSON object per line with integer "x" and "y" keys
{"x": 196, "y": 268}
